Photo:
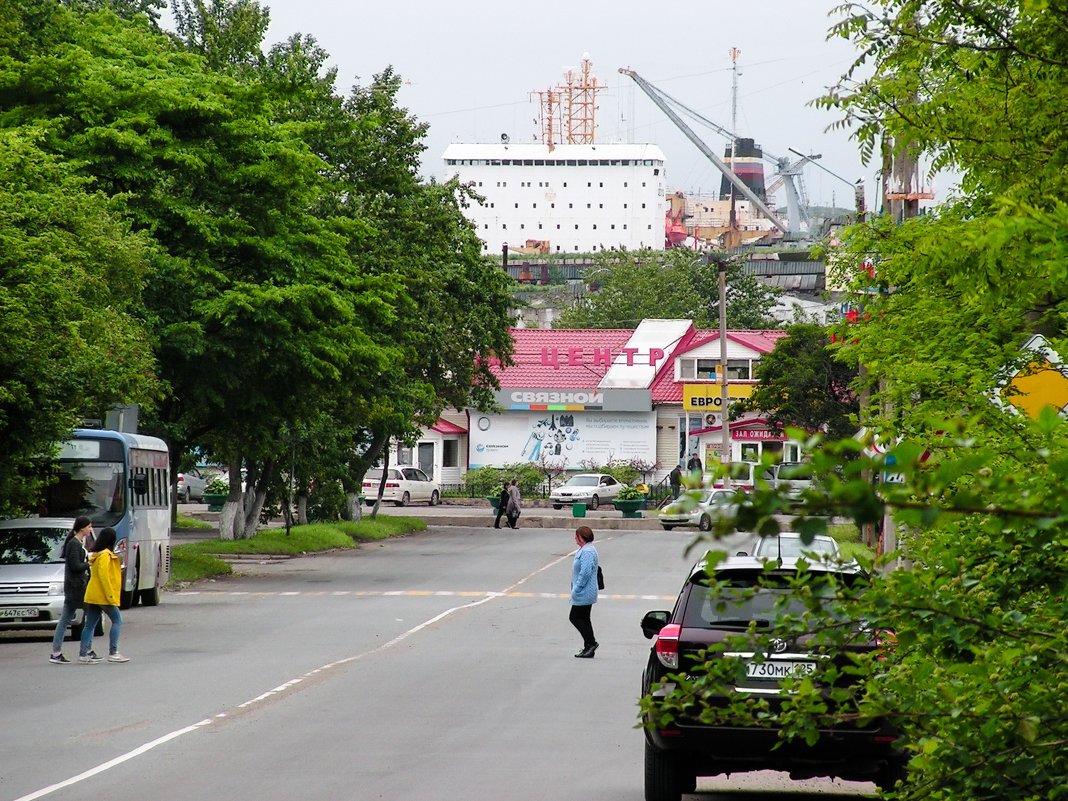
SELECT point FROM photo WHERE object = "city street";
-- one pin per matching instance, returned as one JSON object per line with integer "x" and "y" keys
{"x": 436, "y": 666}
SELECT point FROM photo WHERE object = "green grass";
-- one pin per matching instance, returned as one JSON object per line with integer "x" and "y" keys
{"x": 848, "y": 537}
{"x": 191, "y": 523}
{"x": 197, "y": 560}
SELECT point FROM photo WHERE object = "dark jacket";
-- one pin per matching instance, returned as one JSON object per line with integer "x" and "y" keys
{"x": 676, "y": 477}
{"x": 75, "y": 571}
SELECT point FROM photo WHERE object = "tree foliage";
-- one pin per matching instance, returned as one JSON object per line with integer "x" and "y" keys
{"x": 803, "y": 385}
{"x": 671, "y": 284}
{"x": 976, "y": 677}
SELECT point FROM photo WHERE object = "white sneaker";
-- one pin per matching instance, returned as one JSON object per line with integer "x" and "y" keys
{"x": 89, "y": 659}
{"x": 118, "y": 658}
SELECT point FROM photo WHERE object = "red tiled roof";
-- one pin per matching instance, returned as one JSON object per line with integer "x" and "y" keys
{"x": 443, "y": 426}
{"x": 760, "y": 341}
{"x": 529, "y": 371}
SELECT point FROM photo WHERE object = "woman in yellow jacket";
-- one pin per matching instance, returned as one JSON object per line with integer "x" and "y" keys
{"x": 102, "y": 597}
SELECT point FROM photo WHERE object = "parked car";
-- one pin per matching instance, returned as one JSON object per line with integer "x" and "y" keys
{"x": 788, "y": 545}
{"x": 404, "y": 485}
{"x": 31, "y": 574}
{"x": 587, "y": 488}
{"x": 712, "y": 504}
{"x": 740, "y": 609}
{"x": 792, "y": 477}
{"x": 191, "y": 484}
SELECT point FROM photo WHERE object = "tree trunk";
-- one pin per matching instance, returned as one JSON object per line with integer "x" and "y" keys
{"x": 228, "y": 519}
{"x": 353, "y": 507}
{"x": 302, "y": 509}
{"x": 382, "y": 481}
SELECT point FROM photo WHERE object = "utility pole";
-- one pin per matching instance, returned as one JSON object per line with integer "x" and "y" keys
{"x": 721, "y": 267}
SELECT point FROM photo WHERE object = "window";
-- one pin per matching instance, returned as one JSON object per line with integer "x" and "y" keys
{"x": 738, "y": 370}
{"x": 706, "y": 369}
{"x": 686, "y": 368}
{"x": 404, "y": 456}
{"x": 450, "y": 453}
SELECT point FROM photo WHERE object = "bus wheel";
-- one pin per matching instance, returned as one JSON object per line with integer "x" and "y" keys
{"x": 128, "y": 599}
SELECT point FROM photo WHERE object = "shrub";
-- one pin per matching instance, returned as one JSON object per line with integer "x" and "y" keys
{"x": 630, "y": 494}
{"x": 217, "y": 487}
{"x": 488, "y": 480}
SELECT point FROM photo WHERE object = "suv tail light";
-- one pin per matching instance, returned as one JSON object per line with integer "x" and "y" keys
{"x": 667, "y": 645}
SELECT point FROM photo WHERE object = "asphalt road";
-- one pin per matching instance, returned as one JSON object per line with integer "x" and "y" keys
{"x": 433, "y": 667}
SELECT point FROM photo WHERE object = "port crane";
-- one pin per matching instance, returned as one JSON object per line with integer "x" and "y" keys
{"x": 788, "y": 173}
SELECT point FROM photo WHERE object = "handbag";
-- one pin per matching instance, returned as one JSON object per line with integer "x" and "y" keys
{"x": 600, "y": 578}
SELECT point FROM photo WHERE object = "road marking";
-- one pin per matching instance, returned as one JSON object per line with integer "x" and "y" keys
{"x": 288, "y": 686}
{"x": 429, "y": 594}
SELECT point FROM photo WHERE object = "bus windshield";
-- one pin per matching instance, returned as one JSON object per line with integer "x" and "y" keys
{"x": 92, "y": 485}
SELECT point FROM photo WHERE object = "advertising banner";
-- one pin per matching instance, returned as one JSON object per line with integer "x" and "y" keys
{"x": 562, "y": 439}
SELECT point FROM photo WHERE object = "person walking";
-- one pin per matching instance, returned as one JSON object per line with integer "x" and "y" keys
{"x": 694, "y": 464}
{"x": 675, "y": 479}
{"x": 502, "y": 504}
{"x": 75, "y": 578}
{"x": 515, "y": 505}
{"x": 102, "y": 597}
{"x": 584, "y": 590}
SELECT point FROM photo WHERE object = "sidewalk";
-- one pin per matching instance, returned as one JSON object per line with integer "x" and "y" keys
{"x": 475, "y": 514}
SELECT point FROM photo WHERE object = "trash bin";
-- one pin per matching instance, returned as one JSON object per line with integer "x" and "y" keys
{"x": 578, "y": 510}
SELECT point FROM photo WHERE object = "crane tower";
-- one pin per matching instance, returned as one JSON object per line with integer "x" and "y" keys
{"x": 568, "y": 111}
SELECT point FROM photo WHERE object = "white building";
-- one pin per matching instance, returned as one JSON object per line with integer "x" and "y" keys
{"x": 578, "y": 198}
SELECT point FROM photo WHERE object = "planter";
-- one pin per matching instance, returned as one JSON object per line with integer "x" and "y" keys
{"x": 578, "y": 510}
{"x": 495, "y": 501}
{"x": 215, "y": 500}
{"x": 629, "y": 508}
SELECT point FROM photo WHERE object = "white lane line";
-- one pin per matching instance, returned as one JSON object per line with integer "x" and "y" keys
{"x": 282, "y": 688}
{"x": 113, "y": 762}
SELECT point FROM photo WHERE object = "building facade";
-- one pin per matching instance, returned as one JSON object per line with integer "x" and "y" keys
{"x": 576, "y": 198}
{"x": 578, "y": 398}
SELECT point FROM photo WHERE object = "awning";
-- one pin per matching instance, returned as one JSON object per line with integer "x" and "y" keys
{"x": 443, "y": 426}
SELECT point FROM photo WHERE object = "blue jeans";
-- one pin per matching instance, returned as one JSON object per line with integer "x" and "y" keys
{"x": 65, "y": 617}
{"x": 92, "y": 617}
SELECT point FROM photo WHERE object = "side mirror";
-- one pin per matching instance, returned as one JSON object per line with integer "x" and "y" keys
{"x": 653, "y": 622}
{"x": 139, "y": 484}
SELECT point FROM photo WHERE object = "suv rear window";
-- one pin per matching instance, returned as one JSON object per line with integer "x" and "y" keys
{"x": 736, "y": 598}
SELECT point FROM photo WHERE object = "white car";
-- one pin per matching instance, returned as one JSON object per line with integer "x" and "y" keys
{"x": 588, "y": 488}
{"x": 31, "y": 574}
{"x": 404, "y": 485}
{"x": 713, "y": 504}
{"x": 788, "y": 545}
{"x": 191, "y": 484}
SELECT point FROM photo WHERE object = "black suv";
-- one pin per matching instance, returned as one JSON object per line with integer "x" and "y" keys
{"x": 754, "y": 622}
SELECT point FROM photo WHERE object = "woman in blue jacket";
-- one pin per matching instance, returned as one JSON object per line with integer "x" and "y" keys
{"x": 584, "y": 590}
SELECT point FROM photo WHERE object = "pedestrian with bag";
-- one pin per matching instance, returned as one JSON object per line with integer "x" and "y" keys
{"x": 102, "y": 598}
{"x": 584, "y": 581}
{"x": 75, "y": 579}
{"x": 515, "y": 505}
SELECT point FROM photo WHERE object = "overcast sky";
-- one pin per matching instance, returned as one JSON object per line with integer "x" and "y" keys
{"x": 471, "y": 66}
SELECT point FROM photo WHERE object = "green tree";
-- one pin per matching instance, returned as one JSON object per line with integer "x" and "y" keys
{"x": 71, "y": 343}
{"x": 803, "y": 385}
{"x": 679, "y": 284}
{"x": 976, "y": 676}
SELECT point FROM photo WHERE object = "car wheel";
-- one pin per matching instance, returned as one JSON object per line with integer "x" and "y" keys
{"x": 663, "y": 776}
{"x": 404, "y": 499}
{"x": 557, "y": 506}
{"x": 183, "y": 497}
{"x": 435, "y": 499}
{"x": 705, "y": 523}
{"x": 667, "y": 527}
{"x": 594, "y": 503}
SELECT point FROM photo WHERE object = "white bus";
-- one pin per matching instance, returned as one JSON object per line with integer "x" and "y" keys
{"x": 123, "y": 481}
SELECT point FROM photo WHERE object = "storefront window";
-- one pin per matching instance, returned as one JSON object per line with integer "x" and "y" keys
{"x": 404, "y": 455}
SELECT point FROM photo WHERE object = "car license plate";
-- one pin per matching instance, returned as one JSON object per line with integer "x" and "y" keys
{"x": 778, "y": 669}
{"x": 17, "y": 611}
